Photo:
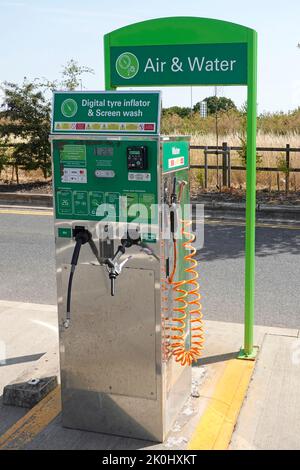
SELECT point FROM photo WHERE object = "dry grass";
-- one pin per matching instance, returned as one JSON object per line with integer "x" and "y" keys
{"x": 274, "y": 130}
{"x": 264, "y": 179}
{"x": 268, "y": 159}
{"x": 24, "y": 176}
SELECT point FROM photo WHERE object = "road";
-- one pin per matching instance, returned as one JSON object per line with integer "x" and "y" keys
{"x": 27, "y": 270}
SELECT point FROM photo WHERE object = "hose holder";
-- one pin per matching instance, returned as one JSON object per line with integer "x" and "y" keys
{"x": 113, "y": 265}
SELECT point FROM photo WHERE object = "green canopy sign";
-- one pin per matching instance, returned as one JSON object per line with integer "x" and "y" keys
{"x": 193, "y": 64}
{"x": 195, "y": 51}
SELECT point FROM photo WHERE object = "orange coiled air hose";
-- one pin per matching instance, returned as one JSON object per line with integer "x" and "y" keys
{"x": 186, "y": 302}
{"x": 178, "y": 323}
{"x": 195, "y": 307}
{"x": 166, "y": 351}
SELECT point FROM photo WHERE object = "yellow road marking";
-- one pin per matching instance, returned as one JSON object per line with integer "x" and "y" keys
{"x": 26, "y": 212}
{"x": 216, "y": 425}
{"x": 24, "y": 430}
{"x": 49, "y": 212}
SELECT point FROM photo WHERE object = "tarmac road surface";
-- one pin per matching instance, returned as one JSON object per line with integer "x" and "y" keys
{"x": 27, "y": 271}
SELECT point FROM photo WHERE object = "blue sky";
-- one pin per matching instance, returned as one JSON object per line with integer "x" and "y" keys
{"x": 38, "y": 36}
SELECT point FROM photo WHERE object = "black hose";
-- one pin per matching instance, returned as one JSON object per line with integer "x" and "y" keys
{"x": 76, "y": 251}
{"x": 81, "y": 238}
{"x": 68, "y": 316}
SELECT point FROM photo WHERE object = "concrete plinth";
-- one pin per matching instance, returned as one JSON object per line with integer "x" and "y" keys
{"x": 28, "y": 394}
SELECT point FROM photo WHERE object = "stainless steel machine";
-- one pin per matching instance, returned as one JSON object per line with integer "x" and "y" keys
{"x": 118, "y": 190}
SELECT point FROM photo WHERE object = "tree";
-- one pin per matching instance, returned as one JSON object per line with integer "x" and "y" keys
{"x": 215, "y": 104}
{"x": 182, "y": 112}
{"x": 25, "y": 126}
{"x": 4, "y": 157}
{"x": 71, "y": 77}
{"x": 25, "y": 120}
{"x": 72, "y": 73}
{"x": 243, "y": 137}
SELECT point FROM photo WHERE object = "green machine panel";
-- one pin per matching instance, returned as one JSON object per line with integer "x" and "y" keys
{"x": 94, "y": 179}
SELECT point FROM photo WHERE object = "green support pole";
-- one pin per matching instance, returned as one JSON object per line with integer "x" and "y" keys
{"x": 158, "y": 38}
{"x": 249, "y": 351}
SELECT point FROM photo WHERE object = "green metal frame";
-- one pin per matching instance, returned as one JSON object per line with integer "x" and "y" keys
{"x": 190, "y": 30}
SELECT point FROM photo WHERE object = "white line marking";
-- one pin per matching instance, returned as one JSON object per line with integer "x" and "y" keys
{"x": 46, "y": 325}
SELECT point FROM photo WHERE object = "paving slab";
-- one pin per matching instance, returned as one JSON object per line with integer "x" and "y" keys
{"x": 270, "y": 416}
{"x": 28, "y": 342}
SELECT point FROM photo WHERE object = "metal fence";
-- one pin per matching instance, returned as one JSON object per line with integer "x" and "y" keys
{"x": 226, "y": 168}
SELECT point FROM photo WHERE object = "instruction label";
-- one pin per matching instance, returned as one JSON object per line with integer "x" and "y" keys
{"x": 139, "y": 176}
{"x": 64, "y": 202}
{"x": 74, "y": 175}
{"x": 80, "y": 199}
{"x": 73, "y": 155}
{"x": 96, "y": 198}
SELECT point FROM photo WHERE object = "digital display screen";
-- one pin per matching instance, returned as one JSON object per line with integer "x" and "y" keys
{"x": 104, "y": 151}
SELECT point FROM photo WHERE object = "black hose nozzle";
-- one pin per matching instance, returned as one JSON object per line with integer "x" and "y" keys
{"x": 82, "y": 237}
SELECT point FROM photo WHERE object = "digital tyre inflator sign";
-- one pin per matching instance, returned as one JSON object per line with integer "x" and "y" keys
{"x": 98, "y": 112}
